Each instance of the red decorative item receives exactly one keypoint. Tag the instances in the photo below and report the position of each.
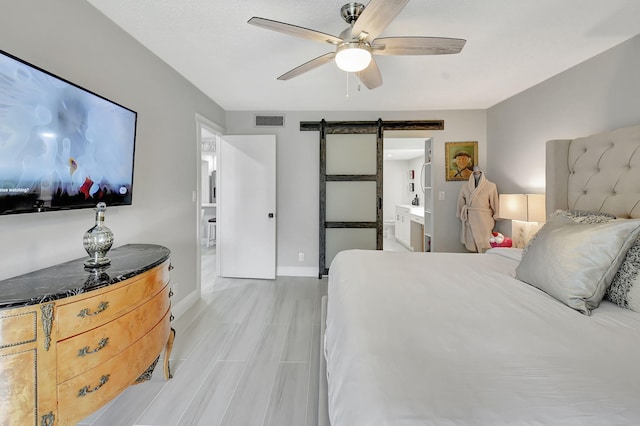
(499, 240)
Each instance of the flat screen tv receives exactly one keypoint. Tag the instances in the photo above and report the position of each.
(61, 146)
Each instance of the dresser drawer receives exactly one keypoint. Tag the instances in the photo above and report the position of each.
(87, 350)
(83, 312)
(83, 394)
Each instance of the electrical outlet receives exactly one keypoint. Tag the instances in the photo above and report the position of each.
(300, 257)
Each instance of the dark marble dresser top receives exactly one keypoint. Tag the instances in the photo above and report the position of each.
(71, 278)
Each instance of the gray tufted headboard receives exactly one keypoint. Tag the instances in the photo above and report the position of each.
(596, 173)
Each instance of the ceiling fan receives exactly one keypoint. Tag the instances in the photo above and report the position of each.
(357, 43)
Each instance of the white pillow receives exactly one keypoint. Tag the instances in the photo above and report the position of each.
(575, 262)
(580, 216)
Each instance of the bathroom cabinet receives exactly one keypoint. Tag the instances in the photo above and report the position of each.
(409, 226)
(403, 226)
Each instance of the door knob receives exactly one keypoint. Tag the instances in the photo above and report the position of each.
(271, 215)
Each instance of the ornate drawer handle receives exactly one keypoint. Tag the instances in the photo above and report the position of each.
(101, 307)
(86, 351)
(87, 389)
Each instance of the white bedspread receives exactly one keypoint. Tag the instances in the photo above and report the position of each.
(454, 339)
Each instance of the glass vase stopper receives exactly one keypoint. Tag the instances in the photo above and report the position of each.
(98, 240)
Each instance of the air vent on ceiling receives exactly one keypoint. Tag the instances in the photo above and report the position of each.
(269, 120)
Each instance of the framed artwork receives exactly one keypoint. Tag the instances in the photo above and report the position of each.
(460, 158)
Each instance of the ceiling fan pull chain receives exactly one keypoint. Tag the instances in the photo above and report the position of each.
(347, 85)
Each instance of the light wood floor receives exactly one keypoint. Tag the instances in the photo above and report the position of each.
(247, 354)
(390, 244)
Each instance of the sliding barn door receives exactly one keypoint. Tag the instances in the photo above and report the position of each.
(351, 182)
(350, 190)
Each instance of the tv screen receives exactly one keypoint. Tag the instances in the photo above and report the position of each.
(61, 146)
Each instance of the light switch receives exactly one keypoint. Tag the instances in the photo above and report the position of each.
(441, 195)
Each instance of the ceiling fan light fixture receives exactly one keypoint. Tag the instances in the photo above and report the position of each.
(353, 47)
(353, 56)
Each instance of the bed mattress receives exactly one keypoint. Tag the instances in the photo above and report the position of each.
(455, 339)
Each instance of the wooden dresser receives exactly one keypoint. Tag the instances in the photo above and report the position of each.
(72, 339)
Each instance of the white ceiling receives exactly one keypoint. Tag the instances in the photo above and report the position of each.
(511, 46)
(401, 149)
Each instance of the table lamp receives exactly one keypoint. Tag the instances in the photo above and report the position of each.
(527, 214)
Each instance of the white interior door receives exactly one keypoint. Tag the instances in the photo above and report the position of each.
(247, 206)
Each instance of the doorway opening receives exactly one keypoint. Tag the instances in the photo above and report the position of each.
(208, 135)
(405, 153)
(403, 158)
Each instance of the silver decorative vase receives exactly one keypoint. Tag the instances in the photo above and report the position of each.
(98, 240)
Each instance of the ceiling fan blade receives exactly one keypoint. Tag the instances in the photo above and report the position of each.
(294, 30)
(377, 15)
(308, 66)
(371, 76)
(416, 46)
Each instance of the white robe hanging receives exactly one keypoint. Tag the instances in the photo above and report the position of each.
(477, 209)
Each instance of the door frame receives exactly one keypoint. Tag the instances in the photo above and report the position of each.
(356, 127)
(201, 123)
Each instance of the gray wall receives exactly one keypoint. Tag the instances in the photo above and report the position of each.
(73, 40)
(394, 187)
(396, 184)
(297, 176)
(601, 94)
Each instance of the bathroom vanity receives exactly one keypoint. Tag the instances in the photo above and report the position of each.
(72, 339)
(409, 227)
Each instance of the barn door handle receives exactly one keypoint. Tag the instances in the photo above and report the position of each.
(422, 182)
(379, 203)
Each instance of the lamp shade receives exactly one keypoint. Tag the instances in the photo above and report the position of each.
(353, 57)
(523, 207)
(513, 206)
(536, 210)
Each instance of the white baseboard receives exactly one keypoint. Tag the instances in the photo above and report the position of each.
(185, 304)
(297, 271)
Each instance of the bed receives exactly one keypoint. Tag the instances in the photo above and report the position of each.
(505, 337)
